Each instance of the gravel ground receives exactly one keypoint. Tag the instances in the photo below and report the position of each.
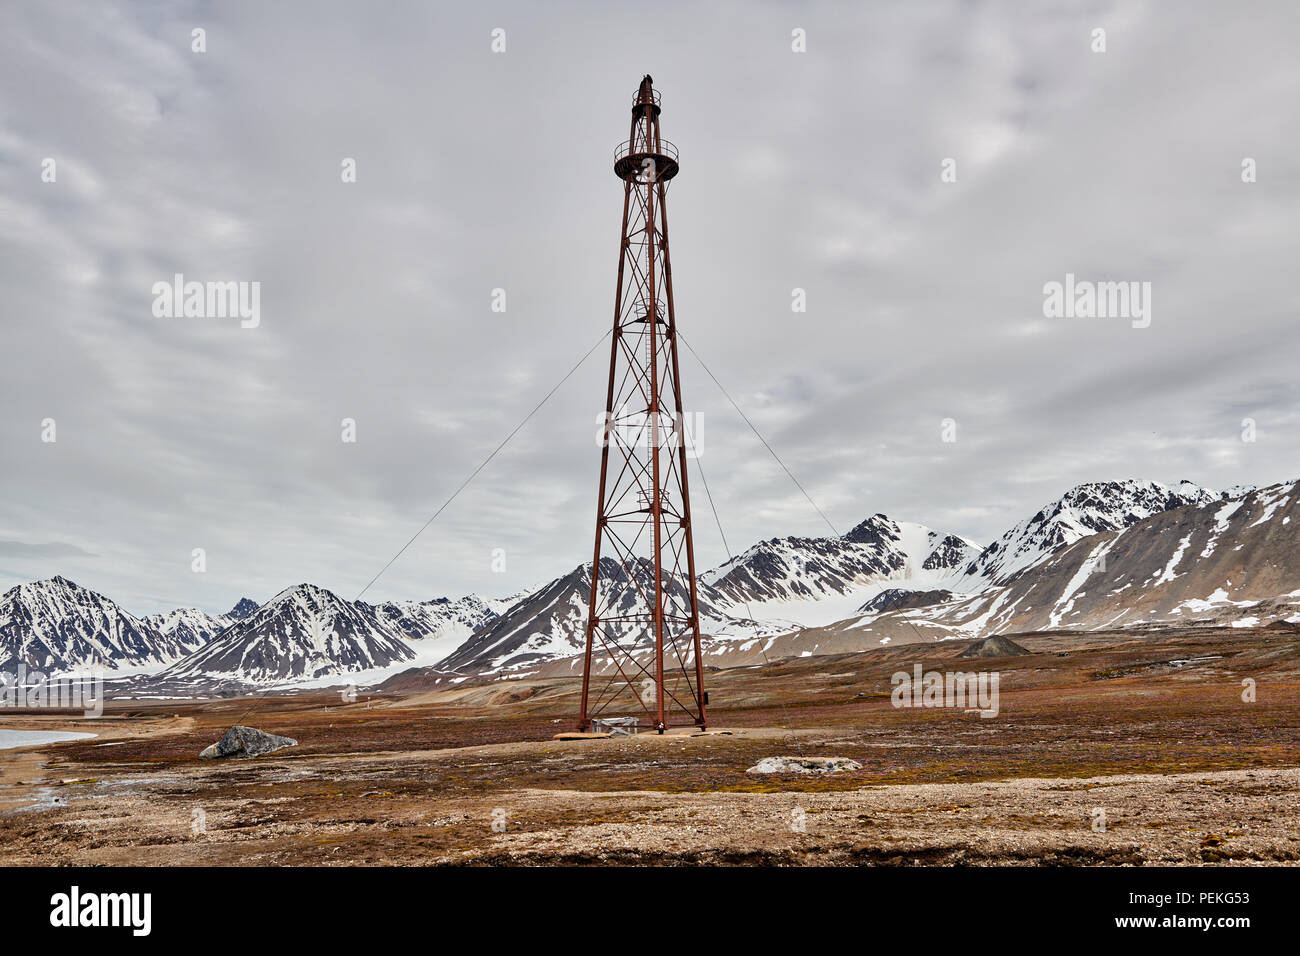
(362, 810)
(1229, 816)
(1105, 751)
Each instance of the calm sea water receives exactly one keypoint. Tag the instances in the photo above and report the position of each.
(28, 738)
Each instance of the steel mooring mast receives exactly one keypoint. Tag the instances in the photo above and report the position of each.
(643, 623)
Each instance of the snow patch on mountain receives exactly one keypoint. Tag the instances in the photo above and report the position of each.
(1273, 499)
(1168, 574)
(1065, 603)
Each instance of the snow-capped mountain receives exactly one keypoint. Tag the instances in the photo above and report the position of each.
(441, 625)
(546, 624)
(891, 581)
(1219, 561)
(188, 625)
(243, 607)
(310, 633)
(1084, 510)
(811, 581)
(303, 633)
(56, 624)
(1125, 553)
(774, 587)
(551, 622)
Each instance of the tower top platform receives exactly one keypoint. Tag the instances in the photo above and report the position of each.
(646, 157)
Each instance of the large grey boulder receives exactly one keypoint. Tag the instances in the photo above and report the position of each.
(243, 741)
(804, 765)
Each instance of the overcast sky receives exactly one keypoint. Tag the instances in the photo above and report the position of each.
(479, 170)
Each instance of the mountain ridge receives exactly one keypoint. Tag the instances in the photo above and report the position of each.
(880, 571)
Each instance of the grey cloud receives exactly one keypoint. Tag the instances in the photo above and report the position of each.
(46, 549)
(478, 171)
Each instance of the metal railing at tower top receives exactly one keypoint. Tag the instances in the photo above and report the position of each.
(638, 99)
(630, 148)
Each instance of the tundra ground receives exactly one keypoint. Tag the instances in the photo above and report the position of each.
(1107, 749)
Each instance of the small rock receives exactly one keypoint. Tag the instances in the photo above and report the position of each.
(243, 741)
(804, 765)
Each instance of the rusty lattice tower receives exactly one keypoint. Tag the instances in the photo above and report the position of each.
(643, 623)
